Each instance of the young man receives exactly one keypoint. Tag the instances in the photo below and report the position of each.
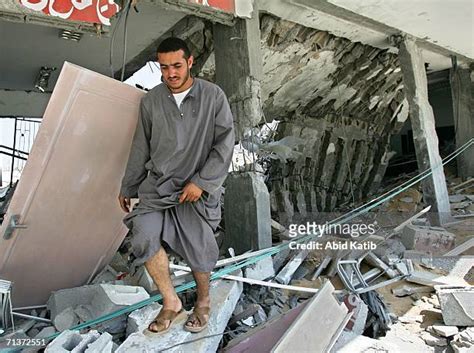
(179, 159)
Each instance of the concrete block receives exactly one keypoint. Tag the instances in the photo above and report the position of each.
(286, 273)
(72, 341)
(65, 319)
(69, 298)
(142, 317)
(110, 297)
(46, 332)
(407, 319)
(445, 331)
(224, 296)
(432, 340)
(457, 305)
(464, 341)
(247, 216)
(261, 270)
(436, 241)
(103, 344)
(84, 312)
(88, 302)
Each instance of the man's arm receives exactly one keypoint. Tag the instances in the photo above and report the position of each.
(213, 173)
(136, 172)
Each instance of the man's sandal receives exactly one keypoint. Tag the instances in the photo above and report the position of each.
(201, 315)
(165, 317)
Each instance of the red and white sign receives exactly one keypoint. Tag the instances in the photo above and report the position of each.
(95, 11)
(225, 5)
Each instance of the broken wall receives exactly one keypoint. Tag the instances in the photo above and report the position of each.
(344, 99)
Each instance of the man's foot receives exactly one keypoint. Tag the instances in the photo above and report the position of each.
(199, 318)
(167, 315)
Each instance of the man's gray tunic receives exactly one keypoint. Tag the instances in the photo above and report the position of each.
(171, 147)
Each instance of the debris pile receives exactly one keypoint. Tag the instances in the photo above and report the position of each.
(406, 286)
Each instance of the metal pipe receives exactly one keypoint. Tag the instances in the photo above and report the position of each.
(30, 307)
(13, 152)
(31, 317)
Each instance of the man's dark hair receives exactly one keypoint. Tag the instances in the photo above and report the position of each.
(174, 44)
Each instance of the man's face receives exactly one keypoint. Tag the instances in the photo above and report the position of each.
(175, 69)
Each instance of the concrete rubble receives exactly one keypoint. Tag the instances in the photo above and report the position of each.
(464, 341)
(90, 342)
(404, 295)
(457, 305)
(434, 240)
(69, 307)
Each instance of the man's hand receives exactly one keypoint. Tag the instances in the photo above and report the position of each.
(191, 193)
(124, 203)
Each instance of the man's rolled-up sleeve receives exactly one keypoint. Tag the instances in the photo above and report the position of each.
(213, 173)
(136, 171)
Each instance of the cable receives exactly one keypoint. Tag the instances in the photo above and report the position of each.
(125, 32)
(112, 41)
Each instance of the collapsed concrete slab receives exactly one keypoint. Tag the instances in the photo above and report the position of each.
(224, 296)
(432, 240)
(457, 305)
(324, 310)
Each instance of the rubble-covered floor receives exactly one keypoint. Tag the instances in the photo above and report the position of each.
(428, 307)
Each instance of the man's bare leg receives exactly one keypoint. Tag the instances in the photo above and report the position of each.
(202, 289)
(158, 268)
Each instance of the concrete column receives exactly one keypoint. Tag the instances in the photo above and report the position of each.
(239, 69)
(462, 89)
(435, 192)
(247, 213)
